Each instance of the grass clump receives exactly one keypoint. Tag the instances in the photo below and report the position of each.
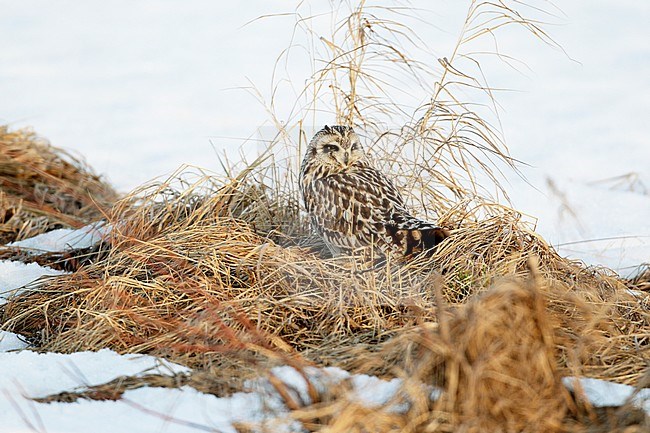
(44, 188)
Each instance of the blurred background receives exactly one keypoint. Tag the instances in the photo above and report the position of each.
(140, 88)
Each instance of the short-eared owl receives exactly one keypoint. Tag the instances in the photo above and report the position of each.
(352, 204)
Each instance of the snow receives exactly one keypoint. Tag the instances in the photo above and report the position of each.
(373, 391)
(10, 341)
(40, 374)
(369, 390)
(63, 239)
(14, 276)
(603, 393)
(28, 374)
(596, 223)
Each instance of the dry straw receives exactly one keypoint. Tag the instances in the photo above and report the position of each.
(44, 188)
(223, 274)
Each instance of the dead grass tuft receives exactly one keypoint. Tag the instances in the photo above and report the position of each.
(190, 273)
(114, 389)
(493, 366)
(500, 369)
(44, 187)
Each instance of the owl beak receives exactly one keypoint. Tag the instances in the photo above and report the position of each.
(346, 158)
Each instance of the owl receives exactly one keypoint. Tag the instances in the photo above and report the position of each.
(353, 205)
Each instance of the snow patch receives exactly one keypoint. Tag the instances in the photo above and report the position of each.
(10, 341)
(16, 275)
(603, 393)
(28, 374)
(367, 390)
(63, 239)
(40, 374)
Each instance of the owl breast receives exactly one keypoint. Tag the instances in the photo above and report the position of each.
(350, 209)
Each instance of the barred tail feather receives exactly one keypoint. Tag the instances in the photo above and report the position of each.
(413, 241)
(432, 237)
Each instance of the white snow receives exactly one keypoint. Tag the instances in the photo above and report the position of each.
(369, 390)
(603, 393)
(28, 374)
(593, 222)
(63, 239)
(14, 276)
(10, 341)
(40, 374)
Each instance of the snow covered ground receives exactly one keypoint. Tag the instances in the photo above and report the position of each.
(142, 88)
(28, 374)
(14, 276)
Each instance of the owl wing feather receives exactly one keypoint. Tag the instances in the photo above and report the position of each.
(361, 207)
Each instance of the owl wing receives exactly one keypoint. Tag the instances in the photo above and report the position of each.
(363, 207)
(351, 209)
(396, 229)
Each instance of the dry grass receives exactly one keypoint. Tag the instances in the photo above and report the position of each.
(495, 361)
(44, 188)
(190, 277)
(225, 276)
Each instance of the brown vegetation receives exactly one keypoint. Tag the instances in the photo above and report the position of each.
(204, 277)
(43, 188)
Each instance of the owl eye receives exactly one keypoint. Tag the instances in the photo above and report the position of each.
(355, 146)
(330, 148)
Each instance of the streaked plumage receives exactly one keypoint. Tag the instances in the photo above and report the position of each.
(354, 205)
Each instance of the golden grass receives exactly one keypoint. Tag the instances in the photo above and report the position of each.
(43, 188)
(191, 273)
(495, 362)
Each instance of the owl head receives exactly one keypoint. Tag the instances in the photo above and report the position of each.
(337, 147)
